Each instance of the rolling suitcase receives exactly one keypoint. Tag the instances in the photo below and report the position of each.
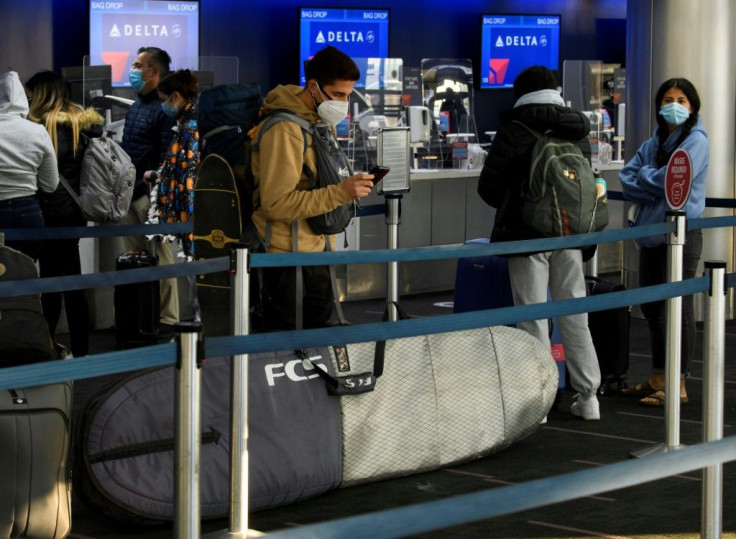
(481, 282)
(34, 450)
(610, 332)
(137, 305)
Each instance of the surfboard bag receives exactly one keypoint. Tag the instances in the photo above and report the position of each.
(124, 464)
(442, 399)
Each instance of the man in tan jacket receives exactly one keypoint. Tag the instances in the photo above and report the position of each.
(282, 193)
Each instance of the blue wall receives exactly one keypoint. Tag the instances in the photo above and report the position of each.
(264, 34)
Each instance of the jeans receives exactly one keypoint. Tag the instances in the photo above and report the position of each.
(652, 271)
(562, 273)
(22, 212)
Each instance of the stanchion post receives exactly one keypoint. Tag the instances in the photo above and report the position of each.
(393, 218)
(188, 432)
(673, 361)
(675, 252)
(240, 307)
(714, 342)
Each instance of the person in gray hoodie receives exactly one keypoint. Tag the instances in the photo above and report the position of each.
(27, 164)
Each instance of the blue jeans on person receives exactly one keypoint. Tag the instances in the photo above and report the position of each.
(22, 212)
(653, 271)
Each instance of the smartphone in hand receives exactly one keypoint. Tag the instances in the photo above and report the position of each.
(378, 174)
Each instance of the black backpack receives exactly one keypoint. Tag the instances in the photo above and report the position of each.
(226, 114)
(24, 333)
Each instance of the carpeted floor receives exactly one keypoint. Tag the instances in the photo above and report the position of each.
(665, 508)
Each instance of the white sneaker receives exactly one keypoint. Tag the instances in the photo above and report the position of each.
(586, 407)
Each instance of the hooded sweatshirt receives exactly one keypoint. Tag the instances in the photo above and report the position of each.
(27, 159)
(282, 192)
(642, 181)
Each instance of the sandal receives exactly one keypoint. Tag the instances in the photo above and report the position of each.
(640, 390)
(657, 399)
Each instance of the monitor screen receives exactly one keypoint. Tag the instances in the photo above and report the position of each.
(511, 43)
(358, 32)
(88, 82)
(118, 29)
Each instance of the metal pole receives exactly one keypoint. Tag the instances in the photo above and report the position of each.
(714, 346)
(240, 302)
(188, 432)
(675, 251)
(590, 268)
(393, 217)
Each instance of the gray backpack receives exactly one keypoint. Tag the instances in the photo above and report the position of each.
(106, 181)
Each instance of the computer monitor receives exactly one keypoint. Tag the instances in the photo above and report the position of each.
(118, 29)
(88, 82)
(358, 32)
(511, 43)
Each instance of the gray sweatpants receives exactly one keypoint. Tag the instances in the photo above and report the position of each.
(562, 273)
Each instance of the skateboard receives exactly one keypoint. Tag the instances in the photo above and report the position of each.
(216, 224)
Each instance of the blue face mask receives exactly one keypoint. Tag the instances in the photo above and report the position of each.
(135, 76)
(674, 114)
(169, 110)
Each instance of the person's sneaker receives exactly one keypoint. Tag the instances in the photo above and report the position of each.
(586, 407)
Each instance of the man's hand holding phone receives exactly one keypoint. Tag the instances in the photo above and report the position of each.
(378, 173)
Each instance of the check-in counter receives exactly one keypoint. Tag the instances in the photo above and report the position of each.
(442, 207)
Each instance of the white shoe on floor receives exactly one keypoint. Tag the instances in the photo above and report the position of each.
(586, 407)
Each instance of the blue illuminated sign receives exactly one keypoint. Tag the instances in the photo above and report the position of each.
(118, 29)
(511, 43)
(358, 32)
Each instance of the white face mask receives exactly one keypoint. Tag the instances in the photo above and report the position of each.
(331, 111)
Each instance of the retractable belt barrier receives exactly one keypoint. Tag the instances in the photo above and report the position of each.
(413, 519)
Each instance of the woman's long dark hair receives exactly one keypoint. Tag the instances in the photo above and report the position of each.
(663, 132)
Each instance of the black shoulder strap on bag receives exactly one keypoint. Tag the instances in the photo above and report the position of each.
(354, 384)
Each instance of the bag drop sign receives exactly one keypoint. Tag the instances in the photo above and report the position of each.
(679, 179)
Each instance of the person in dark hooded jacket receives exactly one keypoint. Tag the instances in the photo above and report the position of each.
(540, 107)
(70, 126)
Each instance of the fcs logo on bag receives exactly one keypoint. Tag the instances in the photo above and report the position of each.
(570, 174)
(296, 370)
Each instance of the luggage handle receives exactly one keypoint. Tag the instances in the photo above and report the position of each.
(363, 382)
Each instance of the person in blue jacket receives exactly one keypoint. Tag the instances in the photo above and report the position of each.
(642, 181)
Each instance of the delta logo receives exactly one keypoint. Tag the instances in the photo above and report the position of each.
(497, 71)
(345, 36)
(145, 30)
(521, 41)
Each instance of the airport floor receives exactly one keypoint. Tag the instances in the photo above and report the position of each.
(665, 508)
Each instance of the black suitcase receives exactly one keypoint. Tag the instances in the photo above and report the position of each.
(137, 305)
(610, 332)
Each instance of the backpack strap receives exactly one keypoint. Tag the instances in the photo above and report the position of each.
(272, 119)
(70, 190)
(534, 133)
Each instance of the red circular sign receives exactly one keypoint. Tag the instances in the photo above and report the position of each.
(679, 179)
